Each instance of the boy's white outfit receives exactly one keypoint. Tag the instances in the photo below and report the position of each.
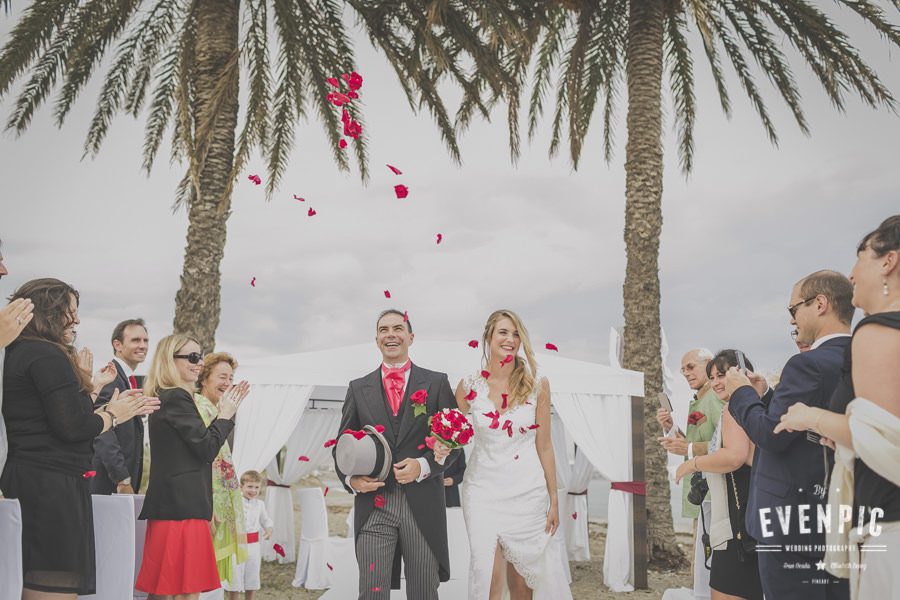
(246, 575)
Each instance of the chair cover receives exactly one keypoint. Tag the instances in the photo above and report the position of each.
(114, 546)
(320, 558)
(11, 557)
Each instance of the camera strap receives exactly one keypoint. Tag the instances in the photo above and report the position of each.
(704, 539)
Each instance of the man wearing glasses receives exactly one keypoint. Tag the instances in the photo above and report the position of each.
(789, 469)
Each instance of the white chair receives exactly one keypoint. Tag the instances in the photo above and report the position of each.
(11, 557)
(140, 533)
(317, 550)
(114, 547)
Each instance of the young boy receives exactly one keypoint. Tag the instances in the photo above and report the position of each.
(246, 575)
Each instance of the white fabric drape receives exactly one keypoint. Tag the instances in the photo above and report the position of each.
(315, 427)
(114, 546)
(601, 428)
(577, 539)
(267, 417)
(11, 557)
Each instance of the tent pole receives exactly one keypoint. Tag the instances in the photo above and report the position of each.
(639, 502)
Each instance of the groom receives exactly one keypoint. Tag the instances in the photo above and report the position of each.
(405, 514)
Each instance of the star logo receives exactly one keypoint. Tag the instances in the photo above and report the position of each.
(820, 565)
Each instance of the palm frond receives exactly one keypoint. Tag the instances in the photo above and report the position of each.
(681, 78)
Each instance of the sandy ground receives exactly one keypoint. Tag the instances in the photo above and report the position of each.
(587, 577)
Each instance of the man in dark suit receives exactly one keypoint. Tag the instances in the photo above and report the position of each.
(788, 478)
(119, 452)
(405, 514)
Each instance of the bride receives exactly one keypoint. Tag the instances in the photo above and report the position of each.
(509, 497)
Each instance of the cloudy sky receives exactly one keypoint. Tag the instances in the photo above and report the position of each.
(536, 237)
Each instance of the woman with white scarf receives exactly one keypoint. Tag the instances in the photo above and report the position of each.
(864, 426)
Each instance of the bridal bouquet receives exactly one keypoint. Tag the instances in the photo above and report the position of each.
(451, 427)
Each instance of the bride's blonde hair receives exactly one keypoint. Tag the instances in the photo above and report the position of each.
(522, 380)
(162, 373)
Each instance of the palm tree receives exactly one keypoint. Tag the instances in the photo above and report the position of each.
(180, 62)
(595, 47)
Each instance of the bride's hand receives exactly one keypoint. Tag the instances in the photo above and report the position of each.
(441, 451)
(552, 519)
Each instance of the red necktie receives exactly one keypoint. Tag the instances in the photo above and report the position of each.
(132, 381)
(394, 382)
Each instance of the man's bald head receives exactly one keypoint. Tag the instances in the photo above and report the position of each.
(693, 367)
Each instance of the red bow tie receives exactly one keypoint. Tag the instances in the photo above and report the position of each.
(394, 382)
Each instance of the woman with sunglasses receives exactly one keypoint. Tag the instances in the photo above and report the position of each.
(179, 559)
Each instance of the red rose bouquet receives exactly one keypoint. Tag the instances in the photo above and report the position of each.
(451, 427)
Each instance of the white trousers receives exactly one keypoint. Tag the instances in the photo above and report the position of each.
(245, 576)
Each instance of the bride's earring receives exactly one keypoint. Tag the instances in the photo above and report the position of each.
(884, 288)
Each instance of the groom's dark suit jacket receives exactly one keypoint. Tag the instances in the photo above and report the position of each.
(367, 404)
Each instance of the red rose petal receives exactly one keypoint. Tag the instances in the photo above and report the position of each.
(405, 317)
(303, 459)
(299, 199)
(429, 441)
(506, 360)
(330, 568)
(485, 374)
(255, 179)
(522, 430)
(253, 282)
(89, 474)
(439, 238)
(329, 443)
(516, 457)
(401, 190)
(503, 406)
(278, 550)
(371, 567)
(376, 589)
(379, 428)
(420, 446)
(342, 144)
(550, 346)
(387, 293)
(379, 501)
(395, 170)
(574, 515)
(471, 395)
(473, 343)
(310, 212)
(535, 426)
(325, 493)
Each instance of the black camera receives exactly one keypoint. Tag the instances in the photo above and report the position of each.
(699, 488)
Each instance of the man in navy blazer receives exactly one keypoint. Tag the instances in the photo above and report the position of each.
(789, 470)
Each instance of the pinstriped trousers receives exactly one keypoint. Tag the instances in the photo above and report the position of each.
(375, 545)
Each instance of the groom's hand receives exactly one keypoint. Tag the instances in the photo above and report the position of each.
(407, 470)
(363, 484)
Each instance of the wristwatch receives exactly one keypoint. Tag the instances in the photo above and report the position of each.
(115, 421)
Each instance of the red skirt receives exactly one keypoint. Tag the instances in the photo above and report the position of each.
(178, 558)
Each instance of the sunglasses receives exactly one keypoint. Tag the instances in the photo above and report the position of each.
(193, 357)
(793, 307)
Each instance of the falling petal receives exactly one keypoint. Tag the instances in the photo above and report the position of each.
(371, 567)
(439, 238)
(405, 317)
(574, 515)
(420, 446)
(429, 441)
(342, 144)
(303, 459)
(379, 501)
(330, 568)
(395, 170)
(473, 343)
(516, 457)
(311, 213)
(503, 406)
(330, 443)
(471, 395)
(255, 179)
(485, 374)
(379, 428)
(401, 190)
(387, 293)
(325, 493)
(278, 550)
(535, 426)
(553, 347)
(253, 282)
(506, 360)
(299, 199)
(376, 589)
(89, 474)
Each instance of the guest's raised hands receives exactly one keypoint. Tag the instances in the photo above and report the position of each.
(13, 319)
(131, 403)
(231, 400)
(106, 375)
(85, 360)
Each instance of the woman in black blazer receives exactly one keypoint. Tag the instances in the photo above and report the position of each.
(178, 551)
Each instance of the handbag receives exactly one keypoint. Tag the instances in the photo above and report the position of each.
(746, 545)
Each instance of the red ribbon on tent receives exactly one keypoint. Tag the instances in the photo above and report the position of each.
(273, 484)
(630, 487)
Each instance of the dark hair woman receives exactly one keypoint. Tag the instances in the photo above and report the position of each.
(51, 424)
(864, 421)
(734, 572)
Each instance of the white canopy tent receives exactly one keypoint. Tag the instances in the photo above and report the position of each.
(295, 402)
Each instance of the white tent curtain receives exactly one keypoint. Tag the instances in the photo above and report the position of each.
(576, 503)
(600, 426)
(315, 428)
(267, 417)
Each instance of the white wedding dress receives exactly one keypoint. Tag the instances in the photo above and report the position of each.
(505, 499)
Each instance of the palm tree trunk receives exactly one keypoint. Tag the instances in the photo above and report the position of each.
(643, 224)
(215, 96)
